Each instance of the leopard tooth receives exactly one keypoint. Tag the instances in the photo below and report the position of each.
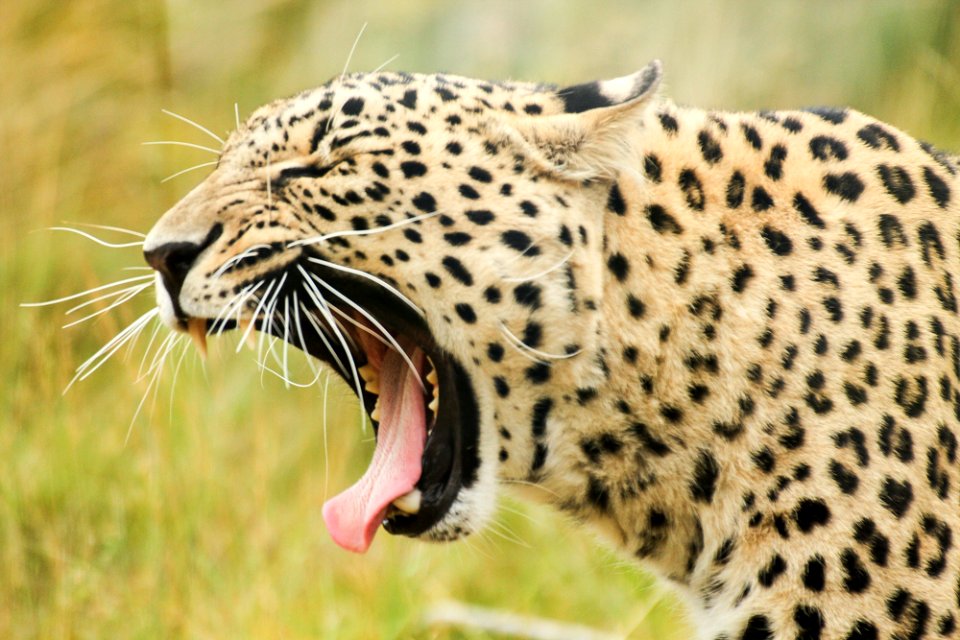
(371, 378)
(434, 405)
(197, 329)
(409, 502)
(375, 414)
(432, 376)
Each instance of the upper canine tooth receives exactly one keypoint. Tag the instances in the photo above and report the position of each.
(409, 502)
(197, 329)
(371, 377)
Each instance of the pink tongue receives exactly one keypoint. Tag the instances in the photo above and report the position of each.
(353, 516)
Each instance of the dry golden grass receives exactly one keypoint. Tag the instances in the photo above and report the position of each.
(205, 522)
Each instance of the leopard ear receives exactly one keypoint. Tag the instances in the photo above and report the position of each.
(616, 93)
(591, 138)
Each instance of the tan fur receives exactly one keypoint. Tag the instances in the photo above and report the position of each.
(729, 377)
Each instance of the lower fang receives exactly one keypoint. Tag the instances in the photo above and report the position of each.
(197, 328)
(409, 503)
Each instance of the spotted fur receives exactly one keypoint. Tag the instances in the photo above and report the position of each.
(735, 345)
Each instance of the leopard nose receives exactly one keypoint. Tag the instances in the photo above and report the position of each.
(173, 261)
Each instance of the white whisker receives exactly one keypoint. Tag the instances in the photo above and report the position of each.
(155, 370)
(356, 41)
(160, 355)
(303, 342)
(322, 333)
(386, 334)
(362, 327)
(321, 330)
(286, 339)
(269, 325)
(74, 296)
(269, 188)
(256, 314)
(113, 305)
(253, 250)
(105, 352)
(286, 379)
(106, 296)
(176, 376)
(346, 65)
(332, 323)
(520, 343)
(343, 329)
(236, 114)
(101, 242)
(532, 358)
(216, 325)
(539, 275)
(369, 276)
(389, 60)
(188, 170)
(518, 512)
(146, 352)
(106, 227)
(336, 326)
(271, 342)
(194, 124)
(533, 485)
(502, 530)
(237, 308)
(177, 143)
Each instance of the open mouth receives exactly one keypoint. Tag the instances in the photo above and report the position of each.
(419, 397)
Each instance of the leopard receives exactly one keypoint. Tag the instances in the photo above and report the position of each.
(727, 342)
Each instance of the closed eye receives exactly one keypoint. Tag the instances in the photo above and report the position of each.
(308, 171)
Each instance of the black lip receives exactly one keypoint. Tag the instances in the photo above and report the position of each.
(451, 458)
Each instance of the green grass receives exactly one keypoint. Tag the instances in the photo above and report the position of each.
(202, 518)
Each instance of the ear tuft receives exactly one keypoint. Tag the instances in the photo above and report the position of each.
(607, 93)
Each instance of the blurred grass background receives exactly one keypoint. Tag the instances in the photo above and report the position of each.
(206, 522)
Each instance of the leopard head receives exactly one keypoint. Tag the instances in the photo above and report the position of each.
(436, 241)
